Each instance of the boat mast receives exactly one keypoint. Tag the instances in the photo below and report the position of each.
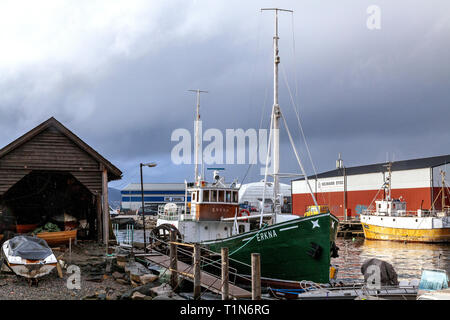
(443, 190)
(197, 134)
(389, 166)
(276, 114)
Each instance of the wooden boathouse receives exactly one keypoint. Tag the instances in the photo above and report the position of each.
(50, 171)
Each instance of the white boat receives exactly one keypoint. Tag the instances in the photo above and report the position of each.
(391, 221)
(29, 257)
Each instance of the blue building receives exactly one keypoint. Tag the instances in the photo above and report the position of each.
(154, 195)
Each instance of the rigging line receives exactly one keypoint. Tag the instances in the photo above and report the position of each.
(297, 105)
(368, 208)
(298, 158)
(257, 152)
(302, 132)
(265, 101)
(298, 119)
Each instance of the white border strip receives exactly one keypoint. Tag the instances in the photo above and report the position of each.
(293, 227)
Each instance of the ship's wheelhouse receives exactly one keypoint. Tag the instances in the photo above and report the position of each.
(214, 203)
(215, 195)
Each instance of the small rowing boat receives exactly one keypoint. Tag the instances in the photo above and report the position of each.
(29, 257)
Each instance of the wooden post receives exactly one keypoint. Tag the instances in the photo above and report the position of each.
(256, 276)
(70, 250)
(173, 260)
(197, 274)
(98, 202)
(225, 274)
(105, 207)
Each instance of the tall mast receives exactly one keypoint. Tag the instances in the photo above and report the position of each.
(276, 114)
(197, 133)
(443, 189)
(389, 167)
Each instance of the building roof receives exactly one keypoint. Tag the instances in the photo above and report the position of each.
(155, 186)
(411, 164)
(113, 172)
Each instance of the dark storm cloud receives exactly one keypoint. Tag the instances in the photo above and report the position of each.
(360, 92)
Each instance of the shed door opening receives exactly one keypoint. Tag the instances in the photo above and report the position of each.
(41, 196)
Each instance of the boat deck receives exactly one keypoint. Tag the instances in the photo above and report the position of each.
(208, 280)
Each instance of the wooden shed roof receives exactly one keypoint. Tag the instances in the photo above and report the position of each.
(113, 172)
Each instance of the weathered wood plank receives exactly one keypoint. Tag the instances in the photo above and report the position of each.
(208, 280)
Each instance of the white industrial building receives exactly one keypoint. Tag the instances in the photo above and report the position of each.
(349, 191)
(253, 192)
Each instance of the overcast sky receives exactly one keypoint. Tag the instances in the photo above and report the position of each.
(116, 73)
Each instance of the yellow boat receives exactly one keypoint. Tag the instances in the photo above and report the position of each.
(391, 221)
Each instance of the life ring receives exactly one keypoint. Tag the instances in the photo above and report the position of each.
(241, 214)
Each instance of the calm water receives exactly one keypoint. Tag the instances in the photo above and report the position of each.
(408, 259)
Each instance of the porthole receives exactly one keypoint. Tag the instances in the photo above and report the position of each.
(393, 219)
(225, 228)
(206, 227)
(417, 220)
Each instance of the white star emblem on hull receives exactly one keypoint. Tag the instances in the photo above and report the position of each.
(315, 224)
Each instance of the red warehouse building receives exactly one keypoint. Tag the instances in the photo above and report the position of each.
(351, 190)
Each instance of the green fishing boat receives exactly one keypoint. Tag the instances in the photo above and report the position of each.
(295, 250)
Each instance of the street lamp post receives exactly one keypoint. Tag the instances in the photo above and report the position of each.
(150, 165)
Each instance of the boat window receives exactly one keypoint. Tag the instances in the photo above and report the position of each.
(241, 228)
(235, 196)
(221, 196)
(214, 196)
(205, 195)
(228, 196)
(194, 196)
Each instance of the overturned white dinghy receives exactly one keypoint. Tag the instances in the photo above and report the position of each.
(29, 257)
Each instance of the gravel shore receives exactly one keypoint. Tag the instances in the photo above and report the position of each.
(88, 256)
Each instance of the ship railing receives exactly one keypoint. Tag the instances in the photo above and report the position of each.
(170, 215)
(410, 213)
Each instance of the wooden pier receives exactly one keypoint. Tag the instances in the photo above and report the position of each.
(207, 280)
(350, 229)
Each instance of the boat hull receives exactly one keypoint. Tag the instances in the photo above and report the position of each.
(59, 237)
(30, 269)
(24, 228)
(285, 249)
(409, 229)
